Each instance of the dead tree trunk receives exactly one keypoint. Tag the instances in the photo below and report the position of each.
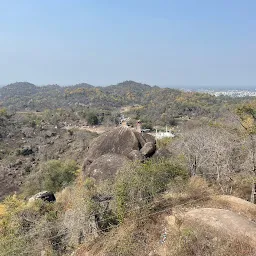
(193, 167)
(253, 194)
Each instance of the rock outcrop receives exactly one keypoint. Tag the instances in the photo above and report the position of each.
(106, 166)
(114, 149)
(238, 205)
(148, 149)
(26, 150)
(120, 140)
(44, 195)
(224, 222)
(162, 153)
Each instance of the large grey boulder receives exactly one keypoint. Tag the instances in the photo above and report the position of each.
(148, 149)
(139, 136)
(223, 222)
(148, 138)
(50, 133)
(136, 155)
(120, 140)
(114, 149)
(162, 153)
(106, 166)
(44, 195)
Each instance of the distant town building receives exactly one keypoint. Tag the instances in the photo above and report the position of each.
(231, 93)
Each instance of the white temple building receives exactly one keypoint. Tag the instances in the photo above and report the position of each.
(166, 134)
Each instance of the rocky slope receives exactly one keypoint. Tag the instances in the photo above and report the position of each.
(23, 148)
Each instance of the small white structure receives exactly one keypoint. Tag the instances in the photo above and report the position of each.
(138, 126)
(166, 134)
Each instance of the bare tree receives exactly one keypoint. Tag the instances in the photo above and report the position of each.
(247, 119)
(212, 152)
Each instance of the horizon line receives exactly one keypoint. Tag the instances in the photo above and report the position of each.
(162, 86)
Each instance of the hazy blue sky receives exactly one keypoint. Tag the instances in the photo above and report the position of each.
(167, 43)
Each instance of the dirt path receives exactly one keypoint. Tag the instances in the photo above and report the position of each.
(29, 113)
(129, 108)
(97, 129)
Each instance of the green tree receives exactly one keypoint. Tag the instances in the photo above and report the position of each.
(92, 118)
(3, 112)
(52, 176)
(139, 183)
(56, 174)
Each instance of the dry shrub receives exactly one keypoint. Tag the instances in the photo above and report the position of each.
(197, 187)
(77, 220)
(2, 209)
(25, 229)
(200, 241)
(133, 237)
(146, 238)
(234, 204)
(242, 185)
(137, 184)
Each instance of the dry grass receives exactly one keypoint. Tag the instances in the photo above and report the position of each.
(131, 238)
(197, 240)
(145, 236)
(198, 188)
(234, 204)
(2, 209)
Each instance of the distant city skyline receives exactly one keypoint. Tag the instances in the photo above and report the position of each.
(179, 43)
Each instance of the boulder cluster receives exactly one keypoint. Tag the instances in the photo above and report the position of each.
(114, 149)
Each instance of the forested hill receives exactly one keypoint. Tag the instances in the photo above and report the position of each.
(23, 95)
(153, 100)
